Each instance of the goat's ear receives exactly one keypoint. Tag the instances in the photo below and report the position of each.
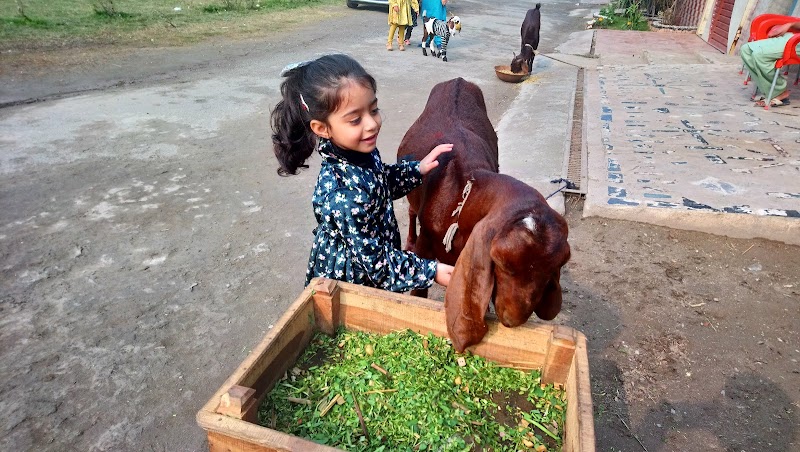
(550, 304)
(470, 289)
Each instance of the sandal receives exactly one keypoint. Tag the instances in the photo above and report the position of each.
(773, 103)
(389, 46)
(402, 47)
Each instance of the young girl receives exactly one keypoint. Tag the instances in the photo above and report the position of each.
(399, 17)
(329, 104)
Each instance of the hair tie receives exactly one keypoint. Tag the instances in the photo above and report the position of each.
(291, 66)
(303, 103)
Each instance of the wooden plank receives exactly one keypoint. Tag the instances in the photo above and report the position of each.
(241, 436)
(366, 309)
(239, 402)
(326, 304)
(579, 423)
(558, 359)
(269, 360)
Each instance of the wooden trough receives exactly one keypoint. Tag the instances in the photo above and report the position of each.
(229, 418)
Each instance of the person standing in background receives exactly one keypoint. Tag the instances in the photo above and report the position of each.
(414, 15)
(399, 18)
(437, 9)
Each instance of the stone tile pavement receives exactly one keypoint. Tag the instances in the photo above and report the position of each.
(674, 139)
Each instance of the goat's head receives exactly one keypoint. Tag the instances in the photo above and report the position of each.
(454, 23)
(515, 258)
(519, 64)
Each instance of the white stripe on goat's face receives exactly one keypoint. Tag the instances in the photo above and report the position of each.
(529, 223)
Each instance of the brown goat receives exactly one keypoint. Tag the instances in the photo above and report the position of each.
(509, 244)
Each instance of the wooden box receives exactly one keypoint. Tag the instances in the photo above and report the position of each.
(229, 418)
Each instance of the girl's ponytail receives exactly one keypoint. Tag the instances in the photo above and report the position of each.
(292, 139)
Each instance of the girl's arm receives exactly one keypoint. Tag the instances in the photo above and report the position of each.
(369, 250)
(406, 176)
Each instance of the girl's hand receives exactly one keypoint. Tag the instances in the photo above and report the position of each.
(443, 273)
(396, 9)
(430, 162)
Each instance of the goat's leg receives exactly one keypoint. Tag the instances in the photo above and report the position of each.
(411, 241)
(424, 249)
(445, 40)
(426, 38)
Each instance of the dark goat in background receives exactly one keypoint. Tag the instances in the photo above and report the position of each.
(507, 244)
(530, 40)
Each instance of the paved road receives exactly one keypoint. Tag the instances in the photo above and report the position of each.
(147, 242)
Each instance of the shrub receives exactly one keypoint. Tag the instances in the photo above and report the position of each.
(622, 15)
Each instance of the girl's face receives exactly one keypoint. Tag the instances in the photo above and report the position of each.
(356, 123)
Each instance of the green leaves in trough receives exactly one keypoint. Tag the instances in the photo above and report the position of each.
(412, 394)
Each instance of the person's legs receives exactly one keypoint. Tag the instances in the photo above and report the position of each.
(401, 32)
(411, 26)
(760, 57)
(392, 29)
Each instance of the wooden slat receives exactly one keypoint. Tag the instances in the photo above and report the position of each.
(366, 309)
(269, 360)
(579, 423)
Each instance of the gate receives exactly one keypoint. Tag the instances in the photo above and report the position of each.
(720, 24)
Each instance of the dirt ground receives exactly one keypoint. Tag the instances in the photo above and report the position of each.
(694, 339)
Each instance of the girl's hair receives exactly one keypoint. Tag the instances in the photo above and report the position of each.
(311, 90)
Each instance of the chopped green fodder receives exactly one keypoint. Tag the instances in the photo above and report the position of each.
(404, 391)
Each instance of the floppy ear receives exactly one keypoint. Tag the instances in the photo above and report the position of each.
(550, 304)
(470, 289)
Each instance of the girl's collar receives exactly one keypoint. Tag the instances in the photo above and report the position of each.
(328, 149)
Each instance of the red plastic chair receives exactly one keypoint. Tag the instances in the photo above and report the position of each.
(789, 57)
(754, 27)
(759, 28)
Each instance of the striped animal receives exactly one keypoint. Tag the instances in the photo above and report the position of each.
(435, 27)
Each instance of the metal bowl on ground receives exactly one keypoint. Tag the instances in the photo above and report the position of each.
(505, 74)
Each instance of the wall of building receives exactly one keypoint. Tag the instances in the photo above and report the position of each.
(743, 12)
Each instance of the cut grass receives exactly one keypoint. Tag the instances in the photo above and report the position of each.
(49, 24)
(411, 393)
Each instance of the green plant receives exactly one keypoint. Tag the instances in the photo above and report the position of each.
(405, 391)
(31, 25)
(104, 7)
(633, 14)
(622, 15)
(233, 5)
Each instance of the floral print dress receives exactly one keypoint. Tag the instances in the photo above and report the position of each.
(357, 237)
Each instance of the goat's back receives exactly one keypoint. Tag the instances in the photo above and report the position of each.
(455, 113)
(530, 28)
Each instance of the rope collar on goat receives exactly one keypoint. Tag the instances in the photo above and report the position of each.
(451, 231)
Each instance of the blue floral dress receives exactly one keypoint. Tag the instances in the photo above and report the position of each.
(357, 238)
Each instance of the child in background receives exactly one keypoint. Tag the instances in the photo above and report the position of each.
(399, 17)
(414, 14)
(437, 9)
(329, 105)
